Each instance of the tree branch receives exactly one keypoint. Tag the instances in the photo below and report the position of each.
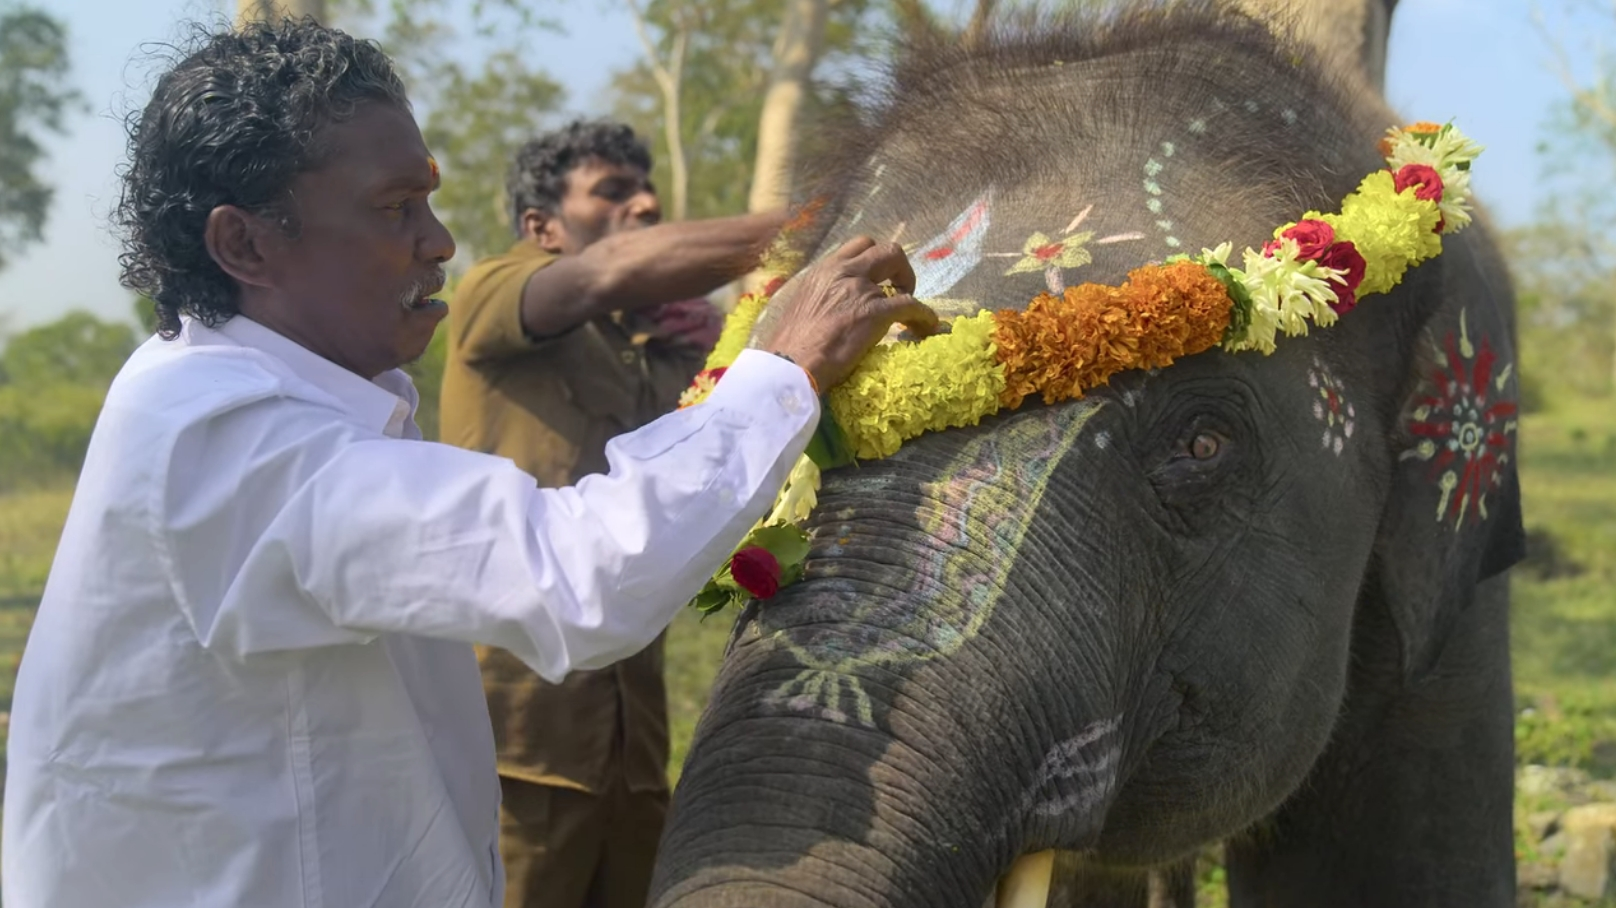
(652, 58)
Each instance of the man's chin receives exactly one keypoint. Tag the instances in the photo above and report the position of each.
(422, 322)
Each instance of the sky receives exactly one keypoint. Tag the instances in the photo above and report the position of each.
(1477, 62)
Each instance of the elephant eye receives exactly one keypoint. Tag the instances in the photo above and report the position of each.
(1205, 446)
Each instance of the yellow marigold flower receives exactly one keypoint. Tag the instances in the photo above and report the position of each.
(737, 330)
(1392, 230)
(902, 390)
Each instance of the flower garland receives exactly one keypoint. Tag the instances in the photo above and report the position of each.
(1315, 270)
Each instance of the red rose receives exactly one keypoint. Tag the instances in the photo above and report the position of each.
(1344, 256)
(1313, 239)
(1425, 179)
(757, 571)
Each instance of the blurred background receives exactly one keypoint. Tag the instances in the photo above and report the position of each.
(1535, 82)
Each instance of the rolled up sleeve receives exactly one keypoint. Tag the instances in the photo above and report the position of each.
(412, 537)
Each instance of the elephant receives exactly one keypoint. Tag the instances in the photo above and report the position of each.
(1243, 599)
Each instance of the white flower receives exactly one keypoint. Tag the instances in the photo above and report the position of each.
(797, 499)
(1218, 256)
(1449, 154)
(1285, 295)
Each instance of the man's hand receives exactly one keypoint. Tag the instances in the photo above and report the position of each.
(834, 311)
(693, 323)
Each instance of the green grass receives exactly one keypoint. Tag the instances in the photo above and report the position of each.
(30, 524)
(695, 648)
(1563, 623)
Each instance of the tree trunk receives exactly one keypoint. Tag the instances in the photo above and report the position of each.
(1348, 31)
(255, 10)
(670, 79)
(673, 125)
(981, 20)
(802, 35)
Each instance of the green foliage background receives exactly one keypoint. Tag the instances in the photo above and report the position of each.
(36, 96)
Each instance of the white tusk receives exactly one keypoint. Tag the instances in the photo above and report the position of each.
(1027, 883)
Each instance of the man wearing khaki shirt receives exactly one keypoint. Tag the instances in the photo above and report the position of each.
(585, 329)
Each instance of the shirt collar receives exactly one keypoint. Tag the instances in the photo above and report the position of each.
(385, 404)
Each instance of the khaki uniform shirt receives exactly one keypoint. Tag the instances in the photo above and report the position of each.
(551, 405)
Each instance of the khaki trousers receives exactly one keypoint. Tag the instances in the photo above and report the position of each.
(567, 849)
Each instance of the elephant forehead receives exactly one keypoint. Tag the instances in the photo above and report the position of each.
(1004, 181)
(976, 514)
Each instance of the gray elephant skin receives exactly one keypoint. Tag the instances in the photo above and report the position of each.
(1250, 599)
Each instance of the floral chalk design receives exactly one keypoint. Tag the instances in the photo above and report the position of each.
(986, 501)
(1465, 426)
(1055, 255)
(1331, 407)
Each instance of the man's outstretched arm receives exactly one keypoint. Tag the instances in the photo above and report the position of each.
(638, 268)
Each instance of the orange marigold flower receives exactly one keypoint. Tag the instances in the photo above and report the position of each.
(1061, 347)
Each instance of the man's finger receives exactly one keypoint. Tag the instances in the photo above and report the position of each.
(852, 249)
(886, 262)
(911, 313)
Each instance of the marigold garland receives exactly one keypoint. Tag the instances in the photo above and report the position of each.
(1060, 347)
(1315, 270)
(900, 391)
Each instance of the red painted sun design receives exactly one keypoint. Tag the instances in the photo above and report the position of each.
(1465, 427)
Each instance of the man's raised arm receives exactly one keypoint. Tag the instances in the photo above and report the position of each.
(637, 268)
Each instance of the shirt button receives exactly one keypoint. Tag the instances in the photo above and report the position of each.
(726, 496)
(628, 357)
(792, 403)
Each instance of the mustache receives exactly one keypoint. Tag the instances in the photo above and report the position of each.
(423, 286)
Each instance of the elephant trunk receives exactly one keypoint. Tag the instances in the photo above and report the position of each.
(866, 790)
(785, 829)
(914, 716)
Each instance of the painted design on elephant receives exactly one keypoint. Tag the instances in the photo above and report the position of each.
(1331, 407)
(1054, 257)
(948, 257)
(1465, 425)
(978, 517)
(1158, 162)
(869, 195)
(1076, 775)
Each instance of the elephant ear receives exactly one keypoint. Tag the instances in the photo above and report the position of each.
(1453, 518)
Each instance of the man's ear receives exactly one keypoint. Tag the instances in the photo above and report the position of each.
(544, 229)
(241, 244)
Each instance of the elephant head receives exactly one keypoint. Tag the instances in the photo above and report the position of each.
(1243, 596)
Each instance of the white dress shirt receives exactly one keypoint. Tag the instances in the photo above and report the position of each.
(251, 680)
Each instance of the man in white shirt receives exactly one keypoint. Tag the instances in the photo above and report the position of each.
(251, 680)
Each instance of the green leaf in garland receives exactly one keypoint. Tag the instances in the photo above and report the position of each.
(1240, 312)
(829, 447)
(712, 599)
(786, 542)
